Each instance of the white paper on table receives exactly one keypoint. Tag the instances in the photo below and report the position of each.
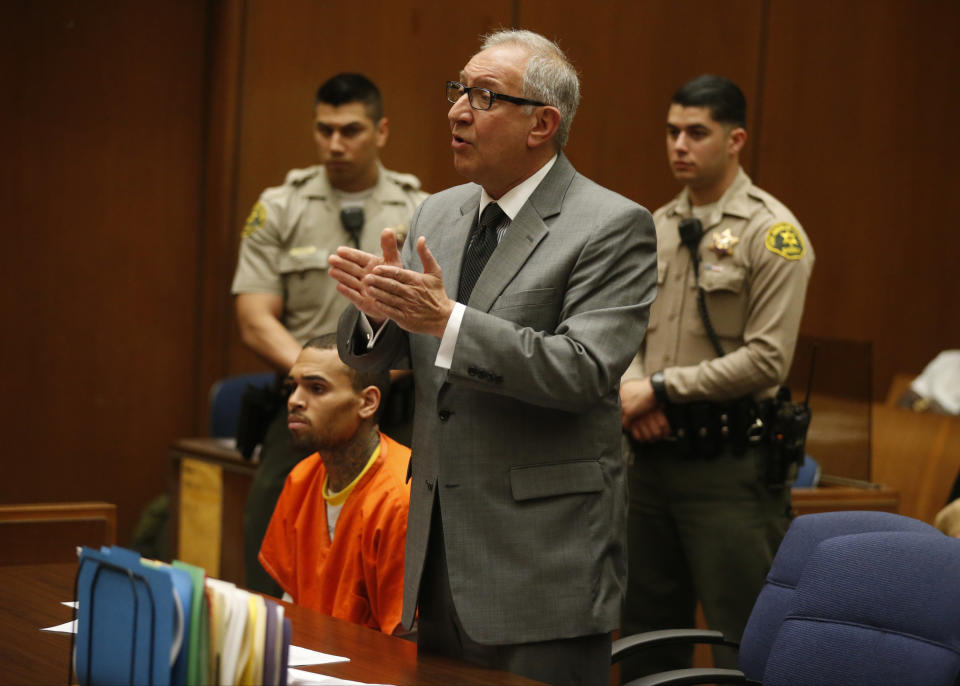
(299, 657)
(70, 603)
(236, 641)
(300, 677)
(67, 628)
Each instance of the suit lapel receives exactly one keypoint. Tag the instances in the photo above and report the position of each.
(522, 236)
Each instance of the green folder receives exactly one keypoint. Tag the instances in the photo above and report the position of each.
(198, 657)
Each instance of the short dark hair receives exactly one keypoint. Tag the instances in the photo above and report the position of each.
(343, 89)
(719, 94)
(358, 379)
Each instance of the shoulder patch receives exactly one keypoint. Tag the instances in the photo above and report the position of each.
(784, 240)
(256, 220)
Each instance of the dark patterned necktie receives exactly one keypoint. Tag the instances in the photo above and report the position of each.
(483, 242)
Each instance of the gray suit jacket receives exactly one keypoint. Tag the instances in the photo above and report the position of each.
(521, 438)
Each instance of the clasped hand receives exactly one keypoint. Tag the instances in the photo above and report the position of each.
(382, 289)
(640, 413)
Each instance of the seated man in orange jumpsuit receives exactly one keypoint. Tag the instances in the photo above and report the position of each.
(335, 541)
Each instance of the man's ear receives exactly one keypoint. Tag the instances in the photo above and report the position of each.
(383, 131)
(544, 127)
(737, 139)
(369, 402)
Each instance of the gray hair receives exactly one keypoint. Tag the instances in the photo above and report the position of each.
(549, 76)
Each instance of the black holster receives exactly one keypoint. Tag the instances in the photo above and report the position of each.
(785, 436)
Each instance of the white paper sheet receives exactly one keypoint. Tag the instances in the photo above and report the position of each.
(299, 657)
(68, 628)
(300, 677)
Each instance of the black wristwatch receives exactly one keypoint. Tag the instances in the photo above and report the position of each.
(659, 384)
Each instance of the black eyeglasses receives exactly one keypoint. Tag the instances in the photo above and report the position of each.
(482, 98)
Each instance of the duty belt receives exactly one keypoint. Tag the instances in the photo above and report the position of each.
(704, 430)
(777, 426)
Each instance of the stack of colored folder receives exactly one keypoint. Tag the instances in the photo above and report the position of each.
(141, 621)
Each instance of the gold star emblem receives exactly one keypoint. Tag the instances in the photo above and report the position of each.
(723, 242)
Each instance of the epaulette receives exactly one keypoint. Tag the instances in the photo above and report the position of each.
(298, 177)
(766, 199)
(407, 182)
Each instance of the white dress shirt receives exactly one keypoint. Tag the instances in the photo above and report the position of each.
(510, 202)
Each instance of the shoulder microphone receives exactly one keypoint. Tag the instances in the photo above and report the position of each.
(691, 231)
(352, 219)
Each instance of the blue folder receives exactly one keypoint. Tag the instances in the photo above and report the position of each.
(135, 618)
(125, 620)
(183, 586)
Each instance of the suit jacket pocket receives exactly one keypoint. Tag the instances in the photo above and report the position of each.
(559, 478)
(536, 308)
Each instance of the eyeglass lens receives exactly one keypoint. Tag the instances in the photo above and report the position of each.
(480, 98)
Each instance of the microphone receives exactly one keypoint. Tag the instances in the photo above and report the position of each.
(352, 220)
(691, 231)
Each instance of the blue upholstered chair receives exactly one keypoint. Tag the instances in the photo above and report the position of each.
(805, 533)
(225, 397)
(873, 609)
(808, 475)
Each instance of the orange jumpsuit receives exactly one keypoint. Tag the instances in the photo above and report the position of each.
(359, 576)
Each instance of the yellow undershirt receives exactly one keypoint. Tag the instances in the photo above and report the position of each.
(340, 497)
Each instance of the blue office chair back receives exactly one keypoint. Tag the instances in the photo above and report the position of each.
(808, 475)
(803, 536)
(873, 609)
(225, 396)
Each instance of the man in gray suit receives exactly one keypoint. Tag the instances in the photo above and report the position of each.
(519, 301)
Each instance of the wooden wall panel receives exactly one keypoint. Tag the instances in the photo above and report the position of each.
(138, 136)
(102, 120)
(632, 56)
(224, 47)
(798, 63)
(409, 49)
(858, 112)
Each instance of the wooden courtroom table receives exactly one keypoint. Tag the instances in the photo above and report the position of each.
(30, 597)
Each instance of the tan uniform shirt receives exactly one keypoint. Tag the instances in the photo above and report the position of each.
(292, 230)
(755, 262)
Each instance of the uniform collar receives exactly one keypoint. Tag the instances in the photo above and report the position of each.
(733, 202)
(385, 191)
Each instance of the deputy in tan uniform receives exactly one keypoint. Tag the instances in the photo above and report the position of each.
(709, 500)
(283, 294)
